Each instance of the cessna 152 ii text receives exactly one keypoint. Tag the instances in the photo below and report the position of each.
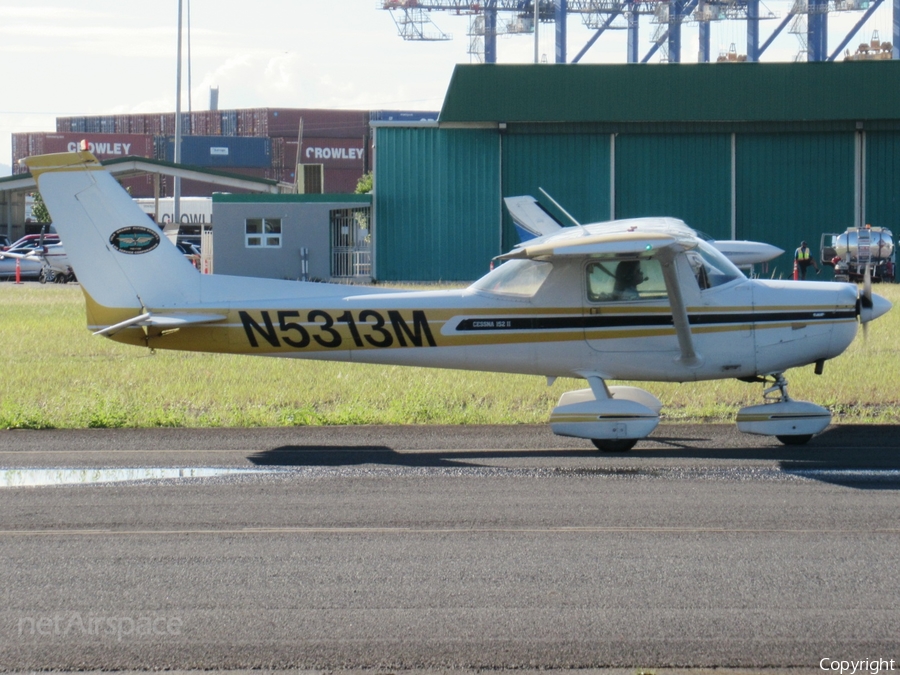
(643, 299)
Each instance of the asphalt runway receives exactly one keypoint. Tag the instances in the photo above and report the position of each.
(442, 548)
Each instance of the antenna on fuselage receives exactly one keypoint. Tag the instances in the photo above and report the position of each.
(563, 211)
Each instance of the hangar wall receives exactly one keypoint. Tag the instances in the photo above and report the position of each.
(882, 178)
(437, 193)
(687, 176)
(573, 169)
(438, 220)
(792, 187)
(768, 152)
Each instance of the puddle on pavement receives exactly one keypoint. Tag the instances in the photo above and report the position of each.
(40, 477)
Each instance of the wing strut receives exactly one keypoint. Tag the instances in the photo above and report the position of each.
(689, 356)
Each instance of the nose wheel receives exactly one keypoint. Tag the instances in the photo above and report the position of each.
(791, 422)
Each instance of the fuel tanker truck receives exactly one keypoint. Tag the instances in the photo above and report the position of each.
(850, 252)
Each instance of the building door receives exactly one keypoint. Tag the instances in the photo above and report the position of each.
(351, 242)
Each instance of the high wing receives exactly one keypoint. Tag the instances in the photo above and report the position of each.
(533, 221)
(599, 245)
(746, 253)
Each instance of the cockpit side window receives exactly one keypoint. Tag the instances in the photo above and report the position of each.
(623, 280)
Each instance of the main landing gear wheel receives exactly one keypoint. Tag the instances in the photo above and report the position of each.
(614, 444)
(799, 439)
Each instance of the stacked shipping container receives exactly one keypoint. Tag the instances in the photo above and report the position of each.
(258, 142)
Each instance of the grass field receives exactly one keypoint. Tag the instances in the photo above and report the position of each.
(57, 375)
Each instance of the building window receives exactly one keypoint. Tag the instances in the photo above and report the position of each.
(262, 233)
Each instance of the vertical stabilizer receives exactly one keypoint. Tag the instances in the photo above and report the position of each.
(120, 256)
(530, 218)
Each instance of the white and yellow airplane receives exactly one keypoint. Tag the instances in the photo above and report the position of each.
(642, 299)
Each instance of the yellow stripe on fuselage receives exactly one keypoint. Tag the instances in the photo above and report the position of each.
(281, 331)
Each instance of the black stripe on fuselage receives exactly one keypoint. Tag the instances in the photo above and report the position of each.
(589, 321)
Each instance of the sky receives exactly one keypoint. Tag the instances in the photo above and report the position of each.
(103, 57)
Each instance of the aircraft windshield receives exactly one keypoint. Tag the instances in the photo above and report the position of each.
(710, 267)
(515, 277)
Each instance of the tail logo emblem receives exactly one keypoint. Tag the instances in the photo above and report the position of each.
(134, 240)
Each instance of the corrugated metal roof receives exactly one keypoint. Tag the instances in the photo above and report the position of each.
(703, 92)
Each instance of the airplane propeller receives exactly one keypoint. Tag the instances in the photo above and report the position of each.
(865, 301)
(868, 305)
(866, 298)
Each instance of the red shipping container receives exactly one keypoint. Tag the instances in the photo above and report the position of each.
(285, 122)
(341, 181)
(104, 146)
(142, 186)
(336, 153)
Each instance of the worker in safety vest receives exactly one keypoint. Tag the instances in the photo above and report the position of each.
(803, 259)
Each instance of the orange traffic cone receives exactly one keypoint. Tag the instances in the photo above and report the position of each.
(18, 271)
(796, 272)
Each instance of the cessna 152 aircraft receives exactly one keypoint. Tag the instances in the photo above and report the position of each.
(641, 299)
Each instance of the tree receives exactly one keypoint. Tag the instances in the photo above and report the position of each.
(364, 184)
(39, 210)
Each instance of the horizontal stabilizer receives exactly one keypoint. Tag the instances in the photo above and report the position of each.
(167, 322)
(21, 256)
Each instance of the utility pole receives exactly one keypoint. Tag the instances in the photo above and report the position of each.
(177, 191)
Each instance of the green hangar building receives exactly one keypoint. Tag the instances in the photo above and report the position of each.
(772, 152)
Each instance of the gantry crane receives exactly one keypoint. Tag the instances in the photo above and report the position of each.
(809, 19)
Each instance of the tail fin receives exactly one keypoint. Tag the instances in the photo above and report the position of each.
(530, 218)
(119, 255)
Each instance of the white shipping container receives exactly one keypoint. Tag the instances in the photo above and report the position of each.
(194, 210)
